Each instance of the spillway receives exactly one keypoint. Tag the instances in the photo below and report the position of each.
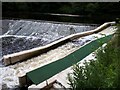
(19, 35)
(23, 34)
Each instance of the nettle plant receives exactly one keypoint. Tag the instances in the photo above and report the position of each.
(103, 72)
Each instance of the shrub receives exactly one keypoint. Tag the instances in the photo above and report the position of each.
(103, 72)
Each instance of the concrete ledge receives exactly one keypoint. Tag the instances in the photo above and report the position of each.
(24, 55)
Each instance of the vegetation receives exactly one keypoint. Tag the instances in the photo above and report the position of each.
(103, 72)
(95, 10)
(60, 7)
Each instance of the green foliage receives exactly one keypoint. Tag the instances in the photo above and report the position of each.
(94, 12)
(104, 72)
(64, 7)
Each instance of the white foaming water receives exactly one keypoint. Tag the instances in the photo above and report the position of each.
(8, 77)
(9, 74)
(46, 31)
(1, 83)
(23, 35)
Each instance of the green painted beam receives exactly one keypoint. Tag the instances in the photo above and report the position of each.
(43, 73)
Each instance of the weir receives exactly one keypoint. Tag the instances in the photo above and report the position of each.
(23, 55)
(16, 74)
(43, 73)
(22, 35)
(64, 49)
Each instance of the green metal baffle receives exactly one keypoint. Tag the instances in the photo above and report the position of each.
(43, 73)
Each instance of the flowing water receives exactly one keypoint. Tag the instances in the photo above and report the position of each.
(19, 35)
(9, 75)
